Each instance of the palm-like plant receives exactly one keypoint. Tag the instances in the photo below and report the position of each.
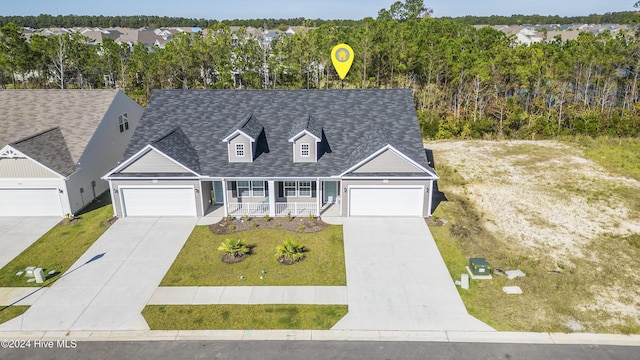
(290, 252)
(233, 250)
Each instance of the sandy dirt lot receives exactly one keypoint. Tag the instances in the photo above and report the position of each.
(547, 200)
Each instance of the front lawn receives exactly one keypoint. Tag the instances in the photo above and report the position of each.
(199, 262)
(243, 317)
(60, 247)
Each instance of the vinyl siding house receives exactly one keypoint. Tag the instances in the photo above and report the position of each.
(275, 152)
(56, 144)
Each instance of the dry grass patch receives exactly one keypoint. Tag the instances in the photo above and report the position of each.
(568, 223)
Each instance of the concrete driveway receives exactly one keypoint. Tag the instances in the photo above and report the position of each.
(397, 280)
(18, 233)
(110, 292)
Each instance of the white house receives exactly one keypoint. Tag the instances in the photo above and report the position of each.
(56, 144)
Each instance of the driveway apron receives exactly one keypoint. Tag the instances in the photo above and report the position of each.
(18, 233)
(109, 292)
(397, 279)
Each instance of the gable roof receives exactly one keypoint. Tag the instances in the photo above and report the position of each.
(348, 118)
(248, 126)
(177, 146)
(48, 148)
(308, 124)
(77, 113)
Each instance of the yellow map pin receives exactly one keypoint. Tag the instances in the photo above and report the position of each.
(342, 58)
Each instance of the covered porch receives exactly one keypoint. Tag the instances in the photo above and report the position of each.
(286, 197)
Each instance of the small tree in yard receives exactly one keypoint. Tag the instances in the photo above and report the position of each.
(233, 251)
(290, 252)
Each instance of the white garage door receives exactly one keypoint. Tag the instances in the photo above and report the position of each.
(386, 201)
(30, 202)
(158, 201)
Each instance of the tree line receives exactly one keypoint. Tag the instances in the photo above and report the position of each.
(467, 82)
(139, 21)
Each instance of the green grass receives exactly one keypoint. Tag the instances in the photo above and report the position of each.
(8, 313)
(59, 248)
(549, 300)
(200, 264)
(243, 317)
(618, 155)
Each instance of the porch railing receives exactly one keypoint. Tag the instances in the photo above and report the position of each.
(242, 209)
(295, 209)
(282, 209)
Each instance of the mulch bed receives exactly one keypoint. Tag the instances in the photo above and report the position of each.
(436, 222)
(297, 224)
(69, 220)
(109, 222)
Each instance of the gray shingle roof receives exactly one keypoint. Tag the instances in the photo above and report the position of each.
(308, 123)
(50, 149)
(176, 145)
(348, 118)
(24, 113)
(248, 125)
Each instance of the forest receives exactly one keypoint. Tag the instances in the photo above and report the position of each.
(467, 82)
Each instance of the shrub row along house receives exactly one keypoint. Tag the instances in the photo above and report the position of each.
(271, 153)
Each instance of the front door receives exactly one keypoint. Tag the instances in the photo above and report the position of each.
(218, 193)
(330, 192)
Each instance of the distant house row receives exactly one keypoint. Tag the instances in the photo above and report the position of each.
(531, 34)
(150, 37)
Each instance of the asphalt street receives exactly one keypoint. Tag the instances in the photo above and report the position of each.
(310, 350)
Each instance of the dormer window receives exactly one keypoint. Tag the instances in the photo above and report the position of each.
(304, 150)
(240, 150)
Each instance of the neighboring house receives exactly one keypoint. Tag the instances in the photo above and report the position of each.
(272, 152)
(56, 144)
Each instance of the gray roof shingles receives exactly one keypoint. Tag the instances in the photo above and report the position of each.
(50, 149)
(249, 125)
(309, 124)
(176, 145)
(24, 113)
(348, 118)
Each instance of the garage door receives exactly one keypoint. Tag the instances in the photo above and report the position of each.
(158, 201)
(30, 202)
(385, 201)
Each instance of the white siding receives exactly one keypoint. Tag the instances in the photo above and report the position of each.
(154, 162)
(23, 168)
(388, 161)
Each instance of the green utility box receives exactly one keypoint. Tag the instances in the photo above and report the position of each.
(479, 266)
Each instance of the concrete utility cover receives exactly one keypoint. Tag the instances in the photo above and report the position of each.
(397, 280)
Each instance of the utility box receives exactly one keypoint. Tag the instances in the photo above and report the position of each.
(38, 273)
(479, 266)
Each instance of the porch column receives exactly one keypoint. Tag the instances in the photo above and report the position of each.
(319, 196)
(272, 198)
(430, 197)
(224, 197)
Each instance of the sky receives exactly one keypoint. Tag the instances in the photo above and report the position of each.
(310, 9)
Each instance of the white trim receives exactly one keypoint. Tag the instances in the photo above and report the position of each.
(310, 188)
(21, 154)
(383, 149)
(263, 188)
(308, 150)
(135, 157)
(150, 186)
(113, 200)
(319, 195)
(238, 189)
(236, 149)
(301, 133)
(284, 188)
(349, 187)
(430, 198)
(225, 196)
(154, 178)
(386, 178)
(233, 134)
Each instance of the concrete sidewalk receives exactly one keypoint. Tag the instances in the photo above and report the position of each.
(18, 233)
(496, 337)
(206, 295)
(397, 280)
(110, 292)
